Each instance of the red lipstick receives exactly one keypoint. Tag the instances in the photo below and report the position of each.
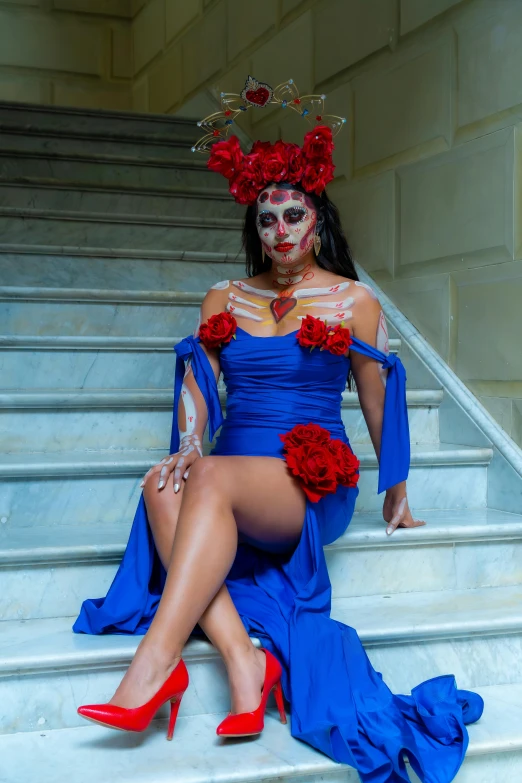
(284, 247)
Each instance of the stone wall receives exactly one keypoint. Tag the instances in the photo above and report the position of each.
(67, 52)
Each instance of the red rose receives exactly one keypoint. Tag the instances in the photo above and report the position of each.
(275, 163)
(245, 188)
(347, 464)
(296, 163)
(317, 174)
(253, 168)
(318, 143)
(313, 332)
(314, 466)
(218, 329)
(338, 340)
(260, 147)
(226, 157)
(304, 434)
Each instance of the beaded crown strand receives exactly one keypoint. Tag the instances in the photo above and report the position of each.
(258, 95)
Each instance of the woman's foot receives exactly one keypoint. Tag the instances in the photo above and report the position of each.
(143, 678)
(246, 674)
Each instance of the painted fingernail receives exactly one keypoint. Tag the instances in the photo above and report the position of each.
(185, 475)
(389, 529)
(176, 487)
(142, 484)
(161, 484)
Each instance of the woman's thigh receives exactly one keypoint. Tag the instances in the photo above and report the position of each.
(266, 500)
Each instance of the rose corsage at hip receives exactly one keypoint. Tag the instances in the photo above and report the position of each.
(316, 333)
(320, 463)
(218, 329)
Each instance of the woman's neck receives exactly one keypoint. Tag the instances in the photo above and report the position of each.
(285, 276)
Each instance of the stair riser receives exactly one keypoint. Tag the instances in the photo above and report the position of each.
(403, 569)
(43, 118)
(97, 319)
(488, 768)
(57, 590)
(75, 171)
(145, 274)
(44, 701)
(69, 369)
(112, 499)
(119, 202)
(440, 486)
(119, 148)
(140, 427)
(125, 236)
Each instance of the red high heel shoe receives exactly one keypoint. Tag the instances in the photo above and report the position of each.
(244, 724)
(138, 719)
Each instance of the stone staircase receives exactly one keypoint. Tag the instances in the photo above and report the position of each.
(110, 233)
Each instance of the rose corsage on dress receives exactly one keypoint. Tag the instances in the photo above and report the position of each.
(319, 462)
(316, 333)
(218, 329)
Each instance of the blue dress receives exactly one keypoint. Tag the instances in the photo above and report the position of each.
(284, 597)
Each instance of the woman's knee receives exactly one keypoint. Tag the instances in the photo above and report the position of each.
(158, 500)
(206, 473)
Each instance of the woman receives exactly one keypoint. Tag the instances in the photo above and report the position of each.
(231, 544)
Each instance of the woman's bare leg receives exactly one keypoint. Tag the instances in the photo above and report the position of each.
(220, 621)
(222, 494)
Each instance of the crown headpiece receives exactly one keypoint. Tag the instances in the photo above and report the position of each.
(310, 165)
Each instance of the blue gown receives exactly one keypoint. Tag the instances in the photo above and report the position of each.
(339, 704)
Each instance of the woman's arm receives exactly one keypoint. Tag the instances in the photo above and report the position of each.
(369, 325)
(192, 409)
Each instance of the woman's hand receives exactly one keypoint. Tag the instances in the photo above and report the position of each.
(396, 510)
(189, 452)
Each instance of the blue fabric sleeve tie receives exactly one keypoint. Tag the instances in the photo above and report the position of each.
(204, 375)
(394, 457)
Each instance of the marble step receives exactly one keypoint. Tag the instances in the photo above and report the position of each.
(86, 362)
(46, 670)
(107, 170)
(68, 312)
(54, 141)
(82, 754)
(65, 419)
(39, 194)
(47, 573)
(87, 123)
(90, 487)
(174, 270)
(100, 230)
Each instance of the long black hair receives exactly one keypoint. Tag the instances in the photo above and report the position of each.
(335, 255)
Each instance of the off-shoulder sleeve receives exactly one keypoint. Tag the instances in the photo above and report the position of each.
(187, 348)
(394, 458)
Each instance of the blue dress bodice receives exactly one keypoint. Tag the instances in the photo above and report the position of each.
(273, 383)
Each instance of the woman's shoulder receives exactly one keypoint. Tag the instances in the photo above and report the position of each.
(360, 292)
(215, 299)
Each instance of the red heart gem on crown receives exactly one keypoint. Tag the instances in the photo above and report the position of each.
(260, 97)
(280, 307)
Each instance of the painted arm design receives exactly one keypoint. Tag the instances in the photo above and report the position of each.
(192, 421)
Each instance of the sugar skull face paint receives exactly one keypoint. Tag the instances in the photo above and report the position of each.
(286, 221)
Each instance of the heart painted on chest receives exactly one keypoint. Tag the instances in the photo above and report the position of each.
(280, 307)
(259, 97)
